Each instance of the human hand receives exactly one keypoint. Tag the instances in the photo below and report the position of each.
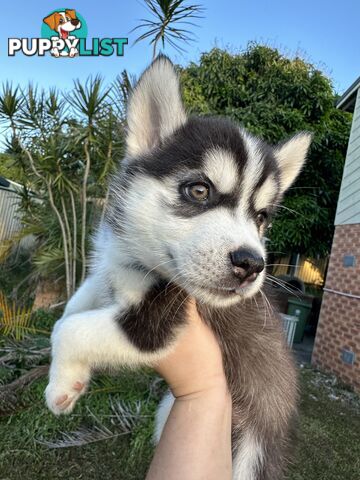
(195, 365)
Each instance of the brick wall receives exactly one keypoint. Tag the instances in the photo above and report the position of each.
(338, 333)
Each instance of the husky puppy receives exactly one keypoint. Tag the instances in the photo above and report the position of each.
(186, 217)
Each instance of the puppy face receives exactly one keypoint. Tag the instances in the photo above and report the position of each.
(197, 194)
(63, 22)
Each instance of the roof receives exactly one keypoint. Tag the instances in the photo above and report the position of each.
(348, 99)
(6, 184)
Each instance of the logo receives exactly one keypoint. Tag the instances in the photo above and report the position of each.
(64, 34)
(64, 28)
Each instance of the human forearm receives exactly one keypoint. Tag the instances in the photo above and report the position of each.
(196, 441)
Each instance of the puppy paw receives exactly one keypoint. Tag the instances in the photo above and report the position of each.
(63, 391)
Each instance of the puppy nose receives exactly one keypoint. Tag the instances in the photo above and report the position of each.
(75, 22)
(246, 263)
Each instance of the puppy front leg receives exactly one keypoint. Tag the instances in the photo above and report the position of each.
(81, 342)
(91, 295)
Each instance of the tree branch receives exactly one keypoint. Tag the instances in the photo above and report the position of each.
(73, 207)
(63, 232)
(84, 208)
(69, 242)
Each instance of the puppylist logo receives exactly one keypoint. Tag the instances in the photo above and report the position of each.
(64, 34)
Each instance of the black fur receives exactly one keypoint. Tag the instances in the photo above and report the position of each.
(152, 325)
(182, 156)
(185, 149)
(186, 208)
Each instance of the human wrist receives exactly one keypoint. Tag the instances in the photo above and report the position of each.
(213, 387)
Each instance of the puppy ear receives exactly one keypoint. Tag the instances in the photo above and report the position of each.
(71, 13)
(291, 157)
(155, 108)
(52, 20)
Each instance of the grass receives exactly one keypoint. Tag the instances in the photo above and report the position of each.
(122, 456)
(328, 446)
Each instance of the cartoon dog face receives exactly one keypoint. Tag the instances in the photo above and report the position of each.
(63, 22)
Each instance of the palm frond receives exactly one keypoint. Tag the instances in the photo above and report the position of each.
(88, 99)
(10, 101)
(124, 417)
(166, 14)
(15, 320)
(26, 352)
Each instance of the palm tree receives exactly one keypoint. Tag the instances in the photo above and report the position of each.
(169, 18)
(65, 145)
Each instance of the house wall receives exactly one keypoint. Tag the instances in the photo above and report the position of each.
(337, 343)
(10, 223)
(348, 208)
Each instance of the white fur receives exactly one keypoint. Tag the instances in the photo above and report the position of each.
(88, 335)
(253, 167)
(87, 340)
(291, 157)
(162, 415)
(90, 296)
(199, 246)
(248, 458)
(265, 194)
(221, 168)
(155, 109)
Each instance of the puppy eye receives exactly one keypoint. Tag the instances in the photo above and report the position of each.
(198, 191)
(68, 19)
(61, 20)
(261, 217)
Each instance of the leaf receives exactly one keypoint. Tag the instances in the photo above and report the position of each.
(124, 418)
(89, 99)
(168, 17)
(15, 320)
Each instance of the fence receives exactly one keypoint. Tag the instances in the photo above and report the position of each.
(10, 221)
(309, 270)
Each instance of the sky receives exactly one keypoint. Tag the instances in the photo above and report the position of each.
(326, 32)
